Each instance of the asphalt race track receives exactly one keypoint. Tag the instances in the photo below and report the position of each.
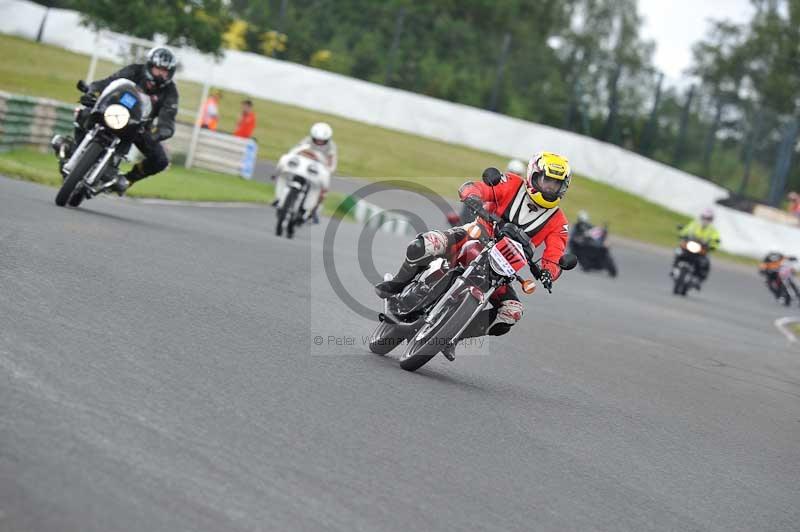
(159, 371)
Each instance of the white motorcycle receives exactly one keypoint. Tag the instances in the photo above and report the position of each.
(302, 177)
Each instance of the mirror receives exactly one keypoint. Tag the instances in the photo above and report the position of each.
(568, 261)
(492, 176)
(82, 86)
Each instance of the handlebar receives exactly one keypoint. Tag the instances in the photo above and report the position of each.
(494, 219)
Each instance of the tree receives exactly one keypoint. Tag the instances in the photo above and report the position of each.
(197, 23)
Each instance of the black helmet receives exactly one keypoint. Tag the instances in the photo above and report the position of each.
(160, 57)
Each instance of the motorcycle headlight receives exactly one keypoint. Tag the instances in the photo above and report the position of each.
(693, 247)
(293, 162)
(116, 116)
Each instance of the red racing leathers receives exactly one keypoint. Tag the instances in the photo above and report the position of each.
(510, 200)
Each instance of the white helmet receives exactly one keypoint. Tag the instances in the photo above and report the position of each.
(515, 166)
(583, 216)
(321, 133)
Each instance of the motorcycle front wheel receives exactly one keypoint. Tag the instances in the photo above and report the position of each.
(82, 167)
(427, 344)
(681, 283)
(611, 266)
(286, 214)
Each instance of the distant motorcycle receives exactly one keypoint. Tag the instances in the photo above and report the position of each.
(436, 308)
(778, 272)
(116, 117)
(684, 273)
(299, 185)
(592, 251)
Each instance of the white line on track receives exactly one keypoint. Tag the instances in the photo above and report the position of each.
(781, 324)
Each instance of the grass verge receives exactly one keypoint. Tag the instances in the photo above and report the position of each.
(366, 151)
(176, 183)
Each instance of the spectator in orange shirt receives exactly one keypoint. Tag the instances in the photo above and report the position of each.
(247, 122)
(209, 118)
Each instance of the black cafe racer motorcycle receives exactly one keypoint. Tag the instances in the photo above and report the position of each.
(110, 125)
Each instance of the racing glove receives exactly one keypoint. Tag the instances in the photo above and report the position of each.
(88, 99)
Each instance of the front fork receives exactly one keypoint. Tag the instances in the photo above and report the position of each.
(459, 283)
(101, 166)
(76, 154)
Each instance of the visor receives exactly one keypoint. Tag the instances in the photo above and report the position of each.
(550, 188)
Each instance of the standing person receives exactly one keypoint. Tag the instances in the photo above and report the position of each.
(247, 121)
(209, 117)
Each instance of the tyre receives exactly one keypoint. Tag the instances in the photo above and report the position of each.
(285, 214)
(787, 298)
(383, 340)
(681, 283)
(77, 196)
(611, 266)
(421, 350)
(84, 164)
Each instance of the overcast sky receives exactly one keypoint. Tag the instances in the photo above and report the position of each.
(677, 24)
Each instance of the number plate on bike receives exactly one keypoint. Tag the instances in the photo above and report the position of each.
(507, 257)
(128, 100)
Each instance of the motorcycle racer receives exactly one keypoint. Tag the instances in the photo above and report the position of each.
(319, 141)
(701, 230)
(155, 78)
(531, 203)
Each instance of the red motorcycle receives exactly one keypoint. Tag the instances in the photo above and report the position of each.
(436, 308)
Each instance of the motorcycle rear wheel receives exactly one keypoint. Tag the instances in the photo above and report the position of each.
(87, 160)
(421, 350)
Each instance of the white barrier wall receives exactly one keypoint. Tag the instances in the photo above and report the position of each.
(413, 113)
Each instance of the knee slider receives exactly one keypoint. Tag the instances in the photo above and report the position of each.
(426, 245)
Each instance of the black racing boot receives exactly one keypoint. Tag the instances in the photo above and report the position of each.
(124, 181)
(63, 147)
(56, 143)
(396, 285)
(120, 186)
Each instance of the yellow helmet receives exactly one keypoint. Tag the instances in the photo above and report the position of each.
(548, 178)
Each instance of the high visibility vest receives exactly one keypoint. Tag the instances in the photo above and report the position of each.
(209, 118)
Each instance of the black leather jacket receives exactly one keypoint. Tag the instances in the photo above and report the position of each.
(164, 100)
